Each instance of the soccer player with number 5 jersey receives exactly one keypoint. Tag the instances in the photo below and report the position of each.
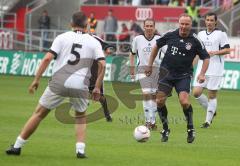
(74, 52)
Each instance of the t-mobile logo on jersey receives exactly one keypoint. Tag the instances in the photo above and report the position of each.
(174, 50)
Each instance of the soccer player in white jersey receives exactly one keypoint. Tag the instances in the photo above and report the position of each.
(141, 47)
(217, 45)
(74, 52)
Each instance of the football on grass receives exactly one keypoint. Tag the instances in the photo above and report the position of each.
(141, 133)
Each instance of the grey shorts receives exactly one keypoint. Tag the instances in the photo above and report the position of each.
(51, 100)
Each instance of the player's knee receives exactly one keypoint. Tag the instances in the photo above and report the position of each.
(160, 102)
(41, 112)
(102, 99)
(184, 102)
(80, 113)
(212, 94)
(80, 117)
(196, 93)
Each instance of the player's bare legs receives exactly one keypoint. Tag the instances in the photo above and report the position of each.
(209, 104)
(187, 108)
(161, 98)
(202, 100)
(28, 129)
(188, 112)
(200, 97)
(80, 128)
(33, 122)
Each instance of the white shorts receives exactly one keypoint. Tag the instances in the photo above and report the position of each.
(211, 83)
(50, 101)
(149, 84)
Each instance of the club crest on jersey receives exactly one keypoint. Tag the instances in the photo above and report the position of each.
(188, 46)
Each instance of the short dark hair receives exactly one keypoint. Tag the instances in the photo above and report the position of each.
(185, 15)
(79, 19)
(148, 19)
(212, 14)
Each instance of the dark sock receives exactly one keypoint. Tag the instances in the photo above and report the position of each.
(162, 112)
(103, 102)
(189, 116)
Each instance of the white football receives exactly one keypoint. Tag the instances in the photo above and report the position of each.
(141, 133)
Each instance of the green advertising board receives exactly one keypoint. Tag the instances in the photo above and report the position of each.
(231, 75)
(22, 63)
(117, 67)
(27, 63)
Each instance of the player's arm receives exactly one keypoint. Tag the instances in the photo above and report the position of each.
(220, 52)
(99, 56)
(195, 60)
(43, 66)
(224, 46)
(132, 65)
(132, 57)
(203, 55)
(201, 76)
(101, 72)
(152, 57)
(99, 81)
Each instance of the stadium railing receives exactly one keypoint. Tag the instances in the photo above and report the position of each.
(10, 39)
(205, 3)
(8, 19)
(36, 37)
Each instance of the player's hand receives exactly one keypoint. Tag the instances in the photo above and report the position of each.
(201, 78)
(148, 71)
(96, 94)
(33, 87)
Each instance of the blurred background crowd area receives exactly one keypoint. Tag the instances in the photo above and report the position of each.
(33, 24)
(211, 3)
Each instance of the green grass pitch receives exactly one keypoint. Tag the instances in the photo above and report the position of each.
(112, 143)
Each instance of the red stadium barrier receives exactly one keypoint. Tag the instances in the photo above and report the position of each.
(124, 13)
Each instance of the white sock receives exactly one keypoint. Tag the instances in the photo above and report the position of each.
(203, 101)
(19, 142)
(212, 106)
(80, 147)
(153, 116)
(146, 109)
(153, 111)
